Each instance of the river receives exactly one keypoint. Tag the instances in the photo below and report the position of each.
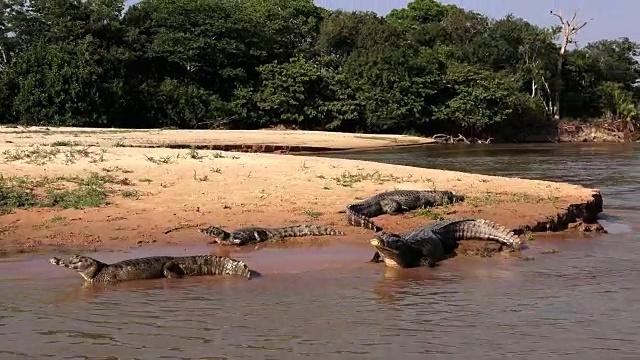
(582, 302)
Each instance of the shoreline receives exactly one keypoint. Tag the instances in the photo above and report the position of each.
(152, 190)
(254, 141)
(299, 142)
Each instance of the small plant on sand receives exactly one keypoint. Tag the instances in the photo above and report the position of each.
(219, 155)
(160, 161)
(348, 179)
(57, 219)
(116, 169)
(199, 178)
(123, 181)
(71, 156)
(520, 197)
(5, 229)
(145, 180)
(193, 154)
(65, 143)
(484, 199)
(429, 213)
(313, 214)
(99, 157)
(130, 193)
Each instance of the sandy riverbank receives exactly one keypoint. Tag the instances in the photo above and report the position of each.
(281, 141)
(152, 190)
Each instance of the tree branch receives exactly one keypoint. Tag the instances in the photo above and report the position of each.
(569, 27)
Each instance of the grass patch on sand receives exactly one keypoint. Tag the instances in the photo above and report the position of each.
(67, 192)
(348, 179)
(41, 155)
(193, 154)
(490, 198)
(312, 214)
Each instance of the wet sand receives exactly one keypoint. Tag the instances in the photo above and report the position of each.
(159, 195)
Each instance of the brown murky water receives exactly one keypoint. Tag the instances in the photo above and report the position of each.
(582, 302)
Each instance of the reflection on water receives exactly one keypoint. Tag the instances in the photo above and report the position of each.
(578, 303)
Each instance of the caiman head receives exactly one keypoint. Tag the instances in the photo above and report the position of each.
(395, 251)
(215, 232)
(86, 266)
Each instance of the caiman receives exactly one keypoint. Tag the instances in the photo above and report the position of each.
(255, 234)
(154, 267)
(428, 245)
(396, 201)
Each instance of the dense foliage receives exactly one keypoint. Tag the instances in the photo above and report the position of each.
(426, 69)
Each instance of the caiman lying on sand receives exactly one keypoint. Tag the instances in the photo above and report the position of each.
(154, 267)
(394, 202)
(428, 245)
(254, 234)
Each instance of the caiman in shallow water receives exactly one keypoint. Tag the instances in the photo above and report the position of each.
(255, 234)
(396, 201)
(154, 267)
(428, 245)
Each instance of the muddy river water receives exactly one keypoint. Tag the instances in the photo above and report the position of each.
(582, 302)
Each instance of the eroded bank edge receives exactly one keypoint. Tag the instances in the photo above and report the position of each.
(585, 213)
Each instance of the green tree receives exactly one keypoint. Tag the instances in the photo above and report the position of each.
(476, 99)
(428, 68)
(59, 72)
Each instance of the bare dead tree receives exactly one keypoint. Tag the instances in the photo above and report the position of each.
(570, 29)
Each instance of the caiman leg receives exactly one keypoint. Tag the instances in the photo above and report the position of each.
(261, 235)
(172, 271)
(391, 207)
(427, 262)
(375, 258)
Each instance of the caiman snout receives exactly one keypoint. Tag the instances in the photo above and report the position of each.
(55, 261)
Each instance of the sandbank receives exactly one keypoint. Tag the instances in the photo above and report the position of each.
(160, 195)
(281, 141)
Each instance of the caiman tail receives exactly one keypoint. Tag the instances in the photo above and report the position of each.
(306, 230)
(200, 265)
(354, 218)
(478, 229)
